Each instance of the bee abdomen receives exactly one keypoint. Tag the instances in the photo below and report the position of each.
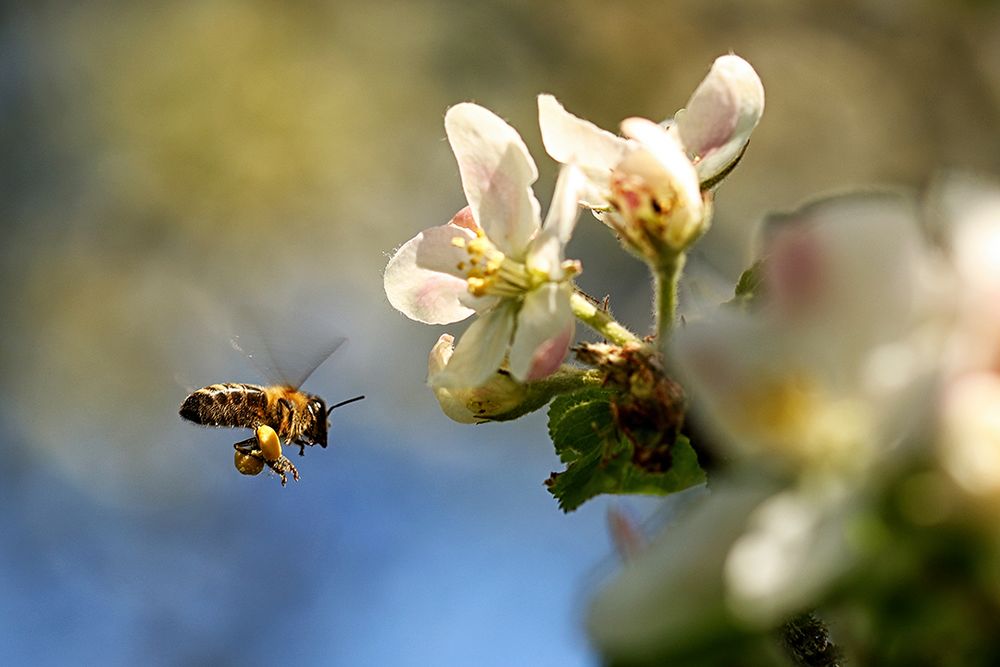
(229, 404)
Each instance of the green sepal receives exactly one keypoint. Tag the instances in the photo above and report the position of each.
(749, 288)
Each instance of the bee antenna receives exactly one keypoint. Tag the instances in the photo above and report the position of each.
(350, 400)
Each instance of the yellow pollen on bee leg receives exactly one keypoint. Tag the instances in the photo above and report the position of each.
(269, 443)
(247, 464)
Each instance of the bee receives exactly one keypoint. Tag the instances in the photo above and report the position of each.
(276, 413)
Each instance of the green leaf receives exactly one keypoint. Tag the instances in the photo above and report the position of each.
(579, 422)
(750, 286)
(600, 460)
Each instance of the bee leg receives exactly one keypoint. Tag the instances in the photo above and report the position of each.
(302, 449)
(282, 466)
(247, 446)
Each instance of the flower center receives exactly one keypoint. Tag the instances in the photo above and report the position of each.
(489, 272)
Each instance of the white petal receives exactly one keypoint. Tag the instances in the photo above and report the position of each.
(721, 114)
(572, 140)
(629, 620)
(452, 406)
(971, 429)
(545, 254)
(795, 547)
(422, 279)
(480, 351)
(545, 327)
(497, 173)
(857, 261)
(565, 209)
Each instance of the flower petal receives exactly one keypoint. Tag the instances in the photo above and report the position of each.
(723, 111)
(564, 209)
(452, 406)
(794, 548)
(545, 327)
(422, 280)
(545, 253)
(857, 260)
(480, 351)
(572, 140)
(628, 620)
(497, 173)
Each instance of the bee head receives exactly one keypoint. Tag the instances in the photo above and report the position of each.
(318, 423)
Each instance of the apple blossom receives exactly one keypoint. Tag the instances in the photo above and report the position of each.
(494, 258)
(970, 412)
(829, 372)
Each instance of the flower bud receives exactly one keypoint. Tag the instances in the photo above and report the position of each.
(499, 395)
(715, 125)
(656, 201)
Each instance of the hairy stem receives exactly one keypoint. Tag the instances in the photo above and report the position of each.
(600, 320)
(539, 392)
(666, 276)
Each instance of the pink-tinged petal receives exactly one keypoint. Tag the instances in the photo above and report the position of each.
(857, 261)
(723, 111)
(422, 280)
(464, 218)
(497, 172)
(572, 140)
(545, 327)
(480, 351)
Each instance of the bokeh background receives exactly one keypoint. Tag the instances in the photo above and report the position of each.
(176, 173)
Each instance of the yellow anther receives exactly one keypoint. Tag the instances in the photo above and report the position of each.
(477, 286)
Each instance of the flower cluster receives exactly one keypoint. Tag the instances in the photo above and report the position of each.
(845, 404)
(864, 371)
(498, 260)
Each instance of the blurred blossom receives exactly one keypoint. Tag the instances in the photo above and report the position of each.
(495, 258)
(795, 544)
(971, 434)
(970, 415)
(672, 595)
(832, 369)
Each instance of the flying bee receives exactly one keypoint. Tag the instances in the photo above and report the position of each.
(276, 413)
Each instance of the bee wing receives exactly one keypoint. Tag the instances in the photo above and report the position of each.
(284, 351)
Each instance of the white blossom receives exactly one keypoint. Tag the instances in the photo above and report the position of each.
(494, 258)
